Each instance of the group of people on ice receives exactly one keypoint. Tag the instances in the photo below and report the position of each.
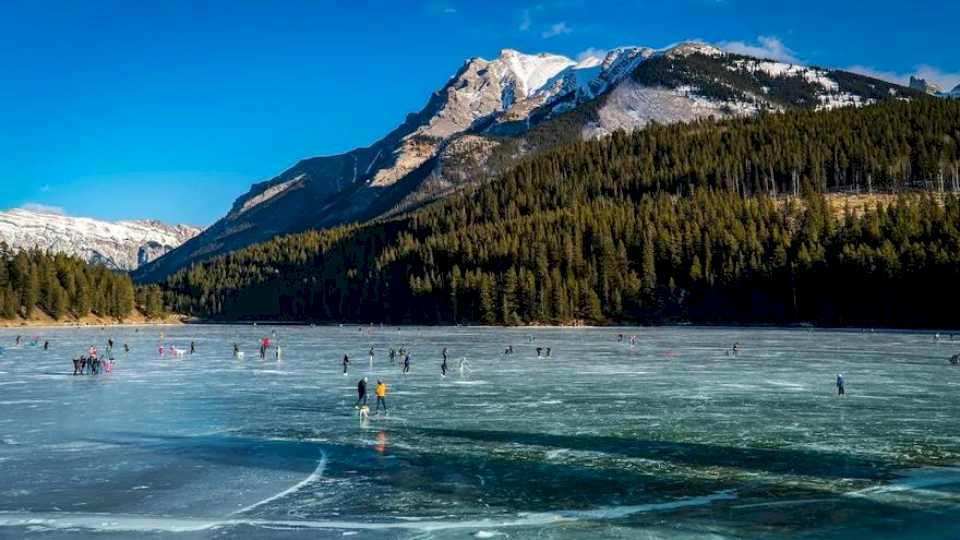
(92, 364)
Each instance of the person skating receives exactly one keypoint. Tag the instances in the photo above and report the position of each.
(361, 392)
(346, 363)
(406, 363)
(381, 391)
(840, 390)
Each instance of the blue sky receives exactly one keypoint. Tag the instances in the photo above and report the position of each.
(170, 109)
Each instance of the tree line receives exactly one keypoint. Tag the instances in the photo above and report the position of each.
(679, 223)
(60, 286)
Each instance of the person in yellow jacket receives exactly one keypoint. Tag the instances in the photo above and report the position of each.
(381, 392)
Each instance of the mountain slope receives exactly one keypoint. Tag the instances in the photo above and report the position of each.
(666, 223)
(492, 113)
(122, 245)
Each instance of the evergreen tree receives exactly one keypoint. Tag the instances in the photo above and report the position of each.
(711, 221)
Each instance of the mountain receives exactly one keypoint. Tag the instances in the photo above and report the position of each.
(933, 89)
(922, 85)
(121, 245)
(848, 216)
(492, 113)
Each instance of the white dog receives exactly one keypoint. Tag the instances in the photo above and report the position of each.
(364, 412)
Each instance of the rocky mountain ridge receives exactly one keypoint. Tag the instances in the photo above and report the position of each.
(491, 113)
(121, 245)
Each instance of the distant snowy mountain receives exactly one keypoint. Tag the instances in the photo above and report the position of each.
(123, 245)
(923, 85)
(933, 89)
(491, 113)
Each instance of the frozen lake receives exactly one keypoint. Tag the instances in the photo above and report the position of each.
(671, 438)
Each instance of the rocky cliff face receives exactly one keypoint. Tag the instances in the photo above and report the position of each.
(122, 245)
(921, 85)
(493, 112)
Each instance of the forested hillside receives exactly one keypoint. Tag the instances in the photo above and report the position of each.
(61, 286)
(687, 222)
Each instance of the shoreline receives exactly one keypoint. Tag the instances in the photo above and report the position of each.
(745, 326)
(89, 323)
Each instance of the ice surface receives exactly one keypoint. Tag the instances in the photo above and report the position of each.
(671, 438)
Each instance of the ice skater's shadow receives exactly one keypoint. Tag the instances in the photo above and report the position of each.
(777, 461)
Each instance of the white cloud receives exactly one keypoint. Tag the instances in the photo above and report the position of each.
(889, 76)
(592, 52)
(773, 48)
(556, 29)
(948, 81)
(525, 20)
(945, 80)
(765, 47)
(44, 209)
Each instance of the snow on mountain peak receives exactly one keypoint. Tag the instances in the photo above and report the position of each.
(686, 49)
(532, 71)
(589, 62)
(121, 245)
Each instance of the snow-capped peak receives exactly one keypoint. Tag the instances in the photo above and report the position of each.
(589, 62)
(532, 71)
(592, 75)
(686, 49)
(122, 245)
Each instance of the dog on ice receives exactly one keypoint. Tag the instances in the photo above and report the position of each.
(364, 412)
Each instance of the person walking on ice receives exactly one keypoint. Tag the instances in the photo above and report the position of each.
(346, 364)
(381, 391)
(840, 389)
(361, 392)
